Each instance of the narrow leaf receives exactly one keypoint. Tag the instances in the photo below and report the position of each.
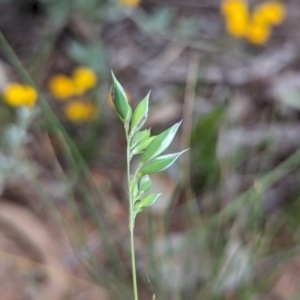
(160, 143)
(148, 200)
(144, 134)
(142, 146)
(139, 137)
(145, 184)
(160, 163)
(140, 115)
(120, 100)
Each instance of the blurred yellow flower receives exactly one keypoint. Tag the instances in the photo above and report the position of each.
(258, 33)
(16, 94)
(62, 87)
(84, 79)
(110, 101)
(233, 7)
(270, 13)
(256, 27)
(130, 3)
(80, 111)
(237, 25)
(236, 15)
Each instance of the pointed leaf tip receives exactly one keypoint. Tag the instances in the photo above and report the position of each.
(140, 115)
(120, 100)
(149, 200)
(160, 143)
(142, 146)
(160, 163)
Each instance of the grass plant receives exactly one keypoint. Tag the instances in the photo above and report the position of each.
(206, 216)
(140, 142)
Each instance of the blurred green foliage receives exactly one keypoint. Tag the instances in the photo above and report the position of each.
(205, 166)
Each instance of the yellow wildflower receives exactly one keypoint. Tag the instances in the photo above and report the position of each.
(233, 7)
(258, 33)
(80, 111)
(270, 13)
(84, 79)
(237, 25)
(61, 86)
(256, 27)
(110, 101)
(130, 3)
(16, 94)
(236, 14)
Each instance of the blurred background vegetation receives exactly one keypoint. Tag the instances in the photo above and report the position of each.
(227, 223)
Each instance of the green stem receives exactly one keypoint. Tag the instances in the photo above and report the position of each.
(133, 264)
(131, 219)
